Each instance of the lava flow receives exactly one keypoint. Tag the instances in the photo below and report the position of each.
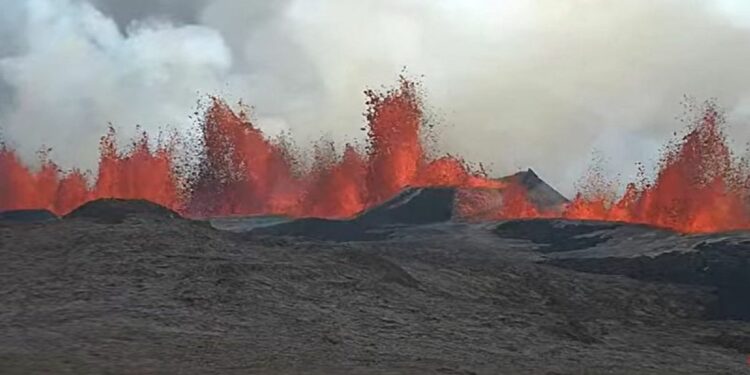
(700, 187)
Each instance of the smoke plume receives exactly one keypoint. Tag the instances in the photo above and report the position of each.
(513, 84)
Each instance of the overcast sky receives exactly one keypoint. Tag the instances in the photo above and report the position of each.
(514, 84)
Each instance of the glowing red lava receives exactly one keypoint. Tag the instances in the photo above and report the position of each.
(700, 186)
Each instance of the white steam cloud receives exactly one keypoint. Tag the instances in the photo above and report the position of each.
(516, 84)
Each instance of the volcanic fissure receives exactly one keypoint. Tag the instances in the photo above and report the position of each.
(699, 187)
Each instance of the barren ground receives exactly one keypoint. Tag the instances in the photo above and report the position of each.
(146, 293)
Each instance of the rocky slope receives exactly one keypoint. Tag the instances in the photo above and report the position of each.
(150, 292)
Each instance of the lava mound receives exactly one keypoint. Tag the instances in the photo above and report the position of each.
(540, 194)
(482, 203)
(412, 206)
(27, 216)
(115, 211)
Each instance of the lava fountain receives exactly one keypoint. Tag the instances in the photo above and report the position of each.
(699, 187)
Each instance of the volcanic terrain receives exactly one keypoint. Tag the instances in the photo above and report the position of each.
(229, 168)
(387, 258)
(131, 287)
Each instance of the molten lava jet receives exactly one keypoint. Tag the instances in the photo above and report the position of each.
(700, 186)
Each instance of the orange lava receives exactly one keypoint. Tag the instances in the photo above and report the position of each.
(137, 174)
(244, 173)
(700, 186)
